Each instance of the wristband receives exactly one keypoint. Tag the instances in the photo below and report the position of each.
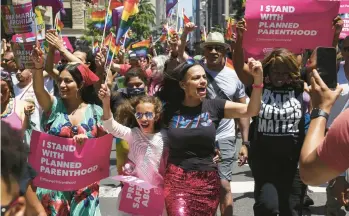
(39, 68)
(258, 86)
(246, 143)
(316, 112)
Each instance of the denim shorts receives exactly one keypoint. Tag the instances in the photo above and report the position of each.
(227, 148)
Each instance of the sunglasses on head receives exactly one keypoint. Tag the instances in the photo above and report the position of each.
(148, 115)
(217, 48)
(5, 75)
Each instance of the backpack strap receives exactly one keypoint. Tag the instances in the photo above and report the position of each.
(219, 93)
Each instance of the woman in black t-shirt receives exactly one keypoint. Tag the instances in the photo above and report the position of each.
(191, 181)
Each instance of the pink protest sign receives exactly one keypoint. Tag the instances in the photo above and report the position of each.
(134, 180)
(344, 7)
(64, 166)
(260, 54)
(17, 18)
(345, 29)
(138, 201)
(289, 24)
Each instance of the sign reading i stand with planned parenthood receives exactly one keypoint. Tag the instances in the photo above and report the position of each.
(289, 24)
(65, 166)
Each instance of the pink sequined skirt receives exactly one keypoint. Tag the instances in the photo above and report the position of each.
(191, 193)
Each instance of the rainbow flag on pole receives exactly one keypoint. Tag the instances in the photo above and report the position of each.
(229, 31)
(127, 17)
(59, 26)
(185, 18)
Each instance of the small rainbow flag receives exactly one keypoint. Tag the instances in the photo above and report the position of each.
(185, 18)
(164, 33)
(98, 16)
(107, 39)
(95, 47)
(141, 45)
(229, 31)
(114, 4)
(59, 26)
(127, 17)
(171, 32)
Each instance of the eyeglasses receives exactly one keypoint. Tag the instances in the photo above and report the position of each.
(217, 48)
(148, 115)
(14, 202)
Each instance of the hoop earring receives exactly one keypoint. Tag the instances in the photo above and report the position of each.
(266, 79)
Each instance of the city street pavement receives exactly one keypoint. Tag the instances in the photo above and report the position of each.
(242, 189)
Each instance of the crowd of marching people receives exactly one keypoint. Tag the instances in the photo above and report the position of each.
(175, 120)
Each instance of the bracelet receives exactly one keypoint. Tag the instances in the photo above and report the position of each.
(258, 86)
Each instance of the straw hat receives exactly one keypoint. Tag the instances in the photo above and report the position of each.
(215, 38)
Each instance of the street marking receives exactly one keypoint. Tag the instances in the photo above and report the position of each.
(236, 188)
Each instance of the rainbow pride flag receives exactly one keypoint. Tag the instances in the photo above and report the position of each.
(95, 47)
(185, 18)
(59, 26)
(141, 45)
(107, 39)
(98, 16)
(127, 17)
(229, 31)
(164, 33)
(114, 4)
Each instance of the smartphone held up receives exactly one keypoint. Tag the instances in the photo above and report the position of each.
(326, 65)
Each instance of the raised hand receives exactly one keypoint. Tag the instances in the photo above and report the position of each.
(321, 96)
(338, 24)
(37, 57)
(189, 27)
(54, 41)
(104, 94)
(241, 27)
(256, 69)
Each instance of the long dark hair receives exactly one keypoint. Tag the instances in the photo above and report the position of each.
(170, 92)
(87, 93)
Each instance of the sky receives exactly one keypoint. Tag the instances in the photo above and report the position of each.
(188, 7)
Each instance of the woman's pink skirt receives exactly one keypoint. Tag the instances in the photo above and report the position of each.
(191, 193)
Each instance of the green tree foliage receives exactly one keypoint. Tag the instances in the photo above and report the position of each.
(141, 26)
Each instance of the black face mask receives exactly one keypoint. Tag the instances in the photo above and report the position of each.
(132, 92)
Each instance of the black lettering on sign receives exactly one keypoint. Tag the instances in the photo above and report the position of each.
(280, 113)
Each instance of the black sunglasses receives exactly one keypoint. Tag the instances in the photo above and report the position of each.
(148, 115)
(217, 48)
(6, 60)
(4, 209)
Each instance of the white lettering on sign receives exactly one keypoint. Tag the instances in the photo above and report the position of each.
(272, 17)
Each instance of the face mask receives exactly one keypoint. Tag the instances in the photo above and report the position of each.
(135, 92)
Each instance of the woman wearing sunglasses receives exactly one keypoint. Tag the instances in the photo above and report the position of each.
(192, 182)
(147, 142)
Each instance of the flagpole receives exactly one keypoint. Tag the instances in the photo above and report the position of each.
(35, 27)
(177, 16)
(105, 22)
(111, 62)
